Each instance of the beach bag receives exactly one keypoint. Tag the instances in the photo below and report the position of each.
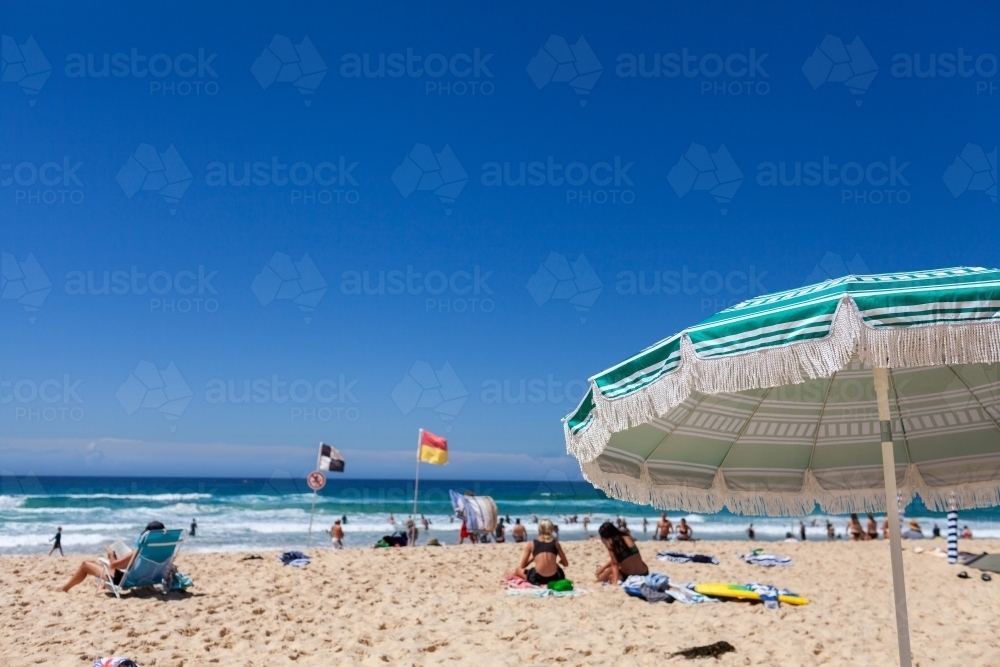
(115, 662)
(560, 585)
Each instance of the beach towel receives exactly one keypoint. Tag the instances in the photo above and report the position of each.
(765, 560)
(517, 586)
(678, 557)
(985, 562)
(687, 594)
(294, 558)
(656, 587)
(115, 662)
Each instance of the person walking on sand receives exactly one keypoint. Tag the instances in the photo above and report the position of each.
(194, 527)
(337, 535)
(411, 533)
(663, 528)
(802, 531)
(57, 542)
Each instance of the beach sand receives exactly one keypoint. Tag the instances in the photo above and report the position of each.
(431, 606)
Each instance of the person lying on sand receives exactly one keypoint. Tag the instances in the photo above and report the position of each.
(547, 555)
(625, 557)
(118, 564)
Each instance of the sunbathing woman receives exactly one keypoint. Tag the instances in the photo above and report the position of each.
(544, 552)
(118, 563)
(625, 557)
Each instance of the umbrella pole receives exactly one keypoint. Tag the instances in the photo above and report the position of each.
(892, 509)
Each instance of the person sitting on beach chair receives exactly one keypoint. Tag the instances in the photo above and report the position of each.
(547, 555)
(112, 569)
(625, 557)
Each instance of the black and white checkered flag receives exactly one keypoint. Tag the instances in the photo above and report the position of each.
(330, 459)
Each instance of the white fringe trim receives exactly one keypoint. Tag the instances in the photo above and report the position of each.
(709, 501)
(897, 347)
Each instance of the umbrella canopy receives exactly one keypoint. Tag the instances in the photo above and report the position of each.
(770, 406)
(794, 399)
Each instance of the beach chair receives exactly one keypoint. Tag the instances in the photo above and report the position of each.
(151, 564)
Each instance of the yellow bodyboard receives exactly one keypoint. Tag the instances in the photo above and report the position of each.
(740, 592)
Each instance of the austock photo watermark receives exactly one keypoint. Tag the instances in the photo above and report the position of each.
(600, 182)
(736, 74)
(323, 182)
(309, 400)
(53, 181)
(314, 399)
(715, 290)
(462, 74)
(187, 291)
(440, 390)
(462, 291)
(42, 400)
(183, 74)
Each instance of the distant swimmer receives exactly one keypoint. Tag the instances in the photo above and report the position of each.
(343, 519)
(57, 542)
(392, 519)
(337, 535)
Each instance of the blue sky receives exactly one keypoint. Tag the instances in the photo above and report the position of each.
(648, 202)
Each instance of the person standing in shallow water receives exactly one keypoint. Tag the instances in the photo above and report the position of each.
(751, 533)
(194, 527)
(802, 531)
(57, 542)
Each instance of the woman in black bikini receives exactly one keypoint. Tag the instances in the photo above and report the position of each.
(625, 557)
(544, 552)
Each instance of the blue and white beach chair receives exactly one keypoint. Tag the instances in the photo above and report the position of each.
(151, 564)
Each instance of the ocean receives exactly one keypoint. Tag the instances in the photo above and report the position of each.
(258, 514)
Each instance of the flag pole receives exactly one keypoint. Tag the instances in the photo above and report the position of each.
(416, 478)
(312, 510)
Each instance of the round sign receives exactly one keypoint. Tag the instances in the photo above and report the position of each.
(316, 480)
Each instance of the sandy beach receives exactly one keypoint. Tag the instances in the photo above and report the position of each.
(430, 606)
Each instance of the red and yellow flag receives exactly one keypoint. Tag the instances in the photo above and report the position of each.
(433, 448)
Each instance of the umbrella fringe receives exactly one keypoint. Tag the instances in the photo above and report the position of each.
(893, 347)
(718, 496)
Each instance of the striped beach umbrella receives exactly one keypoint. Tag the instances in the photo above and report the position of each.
(839, 394)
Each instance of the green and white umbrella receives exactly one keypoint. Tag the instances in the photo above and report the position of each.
(838, 393)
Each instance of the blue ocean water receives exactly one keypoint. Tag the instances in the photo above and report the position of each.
(248, 514)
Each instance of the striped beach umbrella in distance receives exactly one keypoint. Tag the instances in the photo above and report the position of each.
(835, 394)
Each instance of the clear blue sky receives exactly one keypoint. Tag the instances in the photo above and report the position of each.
(359, 125)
